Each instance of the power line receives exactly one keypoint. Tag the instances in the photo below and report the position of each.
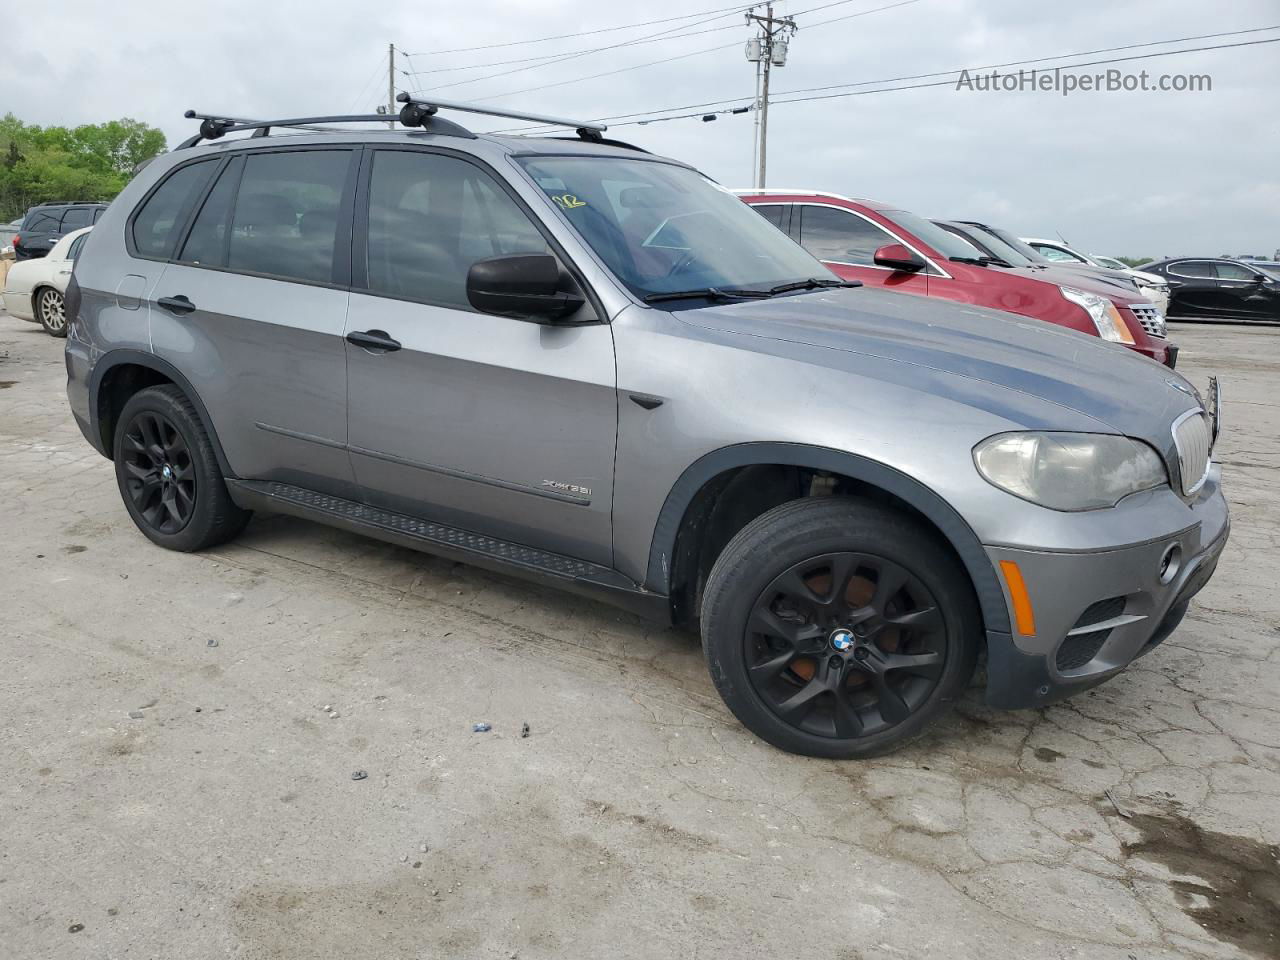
(949, 82)
(693, 53)
(589, 33)
(939, 73)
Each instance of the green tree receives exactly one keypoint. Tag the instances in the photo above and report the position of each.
(89, 162)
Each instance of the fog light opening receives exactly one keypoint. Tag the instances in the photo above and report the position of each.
(1170, 563)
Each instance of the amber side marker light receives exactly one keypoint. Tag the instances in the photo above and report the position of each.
(1023, 615)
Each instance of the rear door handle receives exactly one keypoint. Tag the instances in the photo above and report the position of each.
(178, 304)
(373, 340)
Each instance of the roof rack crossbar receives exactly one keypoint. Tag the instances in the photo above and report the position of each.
(213, 126)
(424, 107)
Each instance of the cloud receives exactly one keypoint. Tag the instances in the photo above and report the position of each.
(1121, 173)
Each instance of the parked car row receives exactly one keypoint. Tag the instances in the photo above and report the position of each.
(586, 364)
(35, 289)
(881, 245)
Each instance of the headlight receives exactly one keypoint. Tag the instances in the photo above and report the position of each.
(1069, 471)
(1103, 313)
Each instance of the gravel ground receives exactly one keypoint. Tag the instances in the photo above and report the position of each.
(176, 788)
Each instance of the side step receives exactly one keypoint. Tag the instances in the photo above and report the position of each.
(502, 556)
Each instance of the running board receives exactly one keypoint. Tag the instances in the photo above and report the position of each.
(502, 556)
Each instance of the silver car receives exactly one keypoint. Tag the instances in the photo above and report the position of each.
(571, 360)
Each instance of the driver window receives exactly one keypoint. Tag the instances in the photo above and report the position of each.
(430, 218)
(1234, 271)
(839, 236)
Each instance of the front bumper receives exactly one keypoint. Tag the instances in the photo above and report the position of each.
(1097, 611)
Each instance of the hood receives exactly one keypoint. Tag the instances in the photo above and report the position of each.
(863, 327)
(1102, 280)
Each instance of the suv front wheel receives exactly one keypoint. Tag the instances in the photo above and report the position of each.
(836, 627)
(168, 474)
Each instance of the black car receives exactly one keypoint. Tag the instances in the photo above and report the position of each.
(1203, 288)
(45, 223)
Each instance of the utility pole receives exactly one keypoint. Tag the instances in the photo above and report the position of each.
(769, 49)
(391, 85)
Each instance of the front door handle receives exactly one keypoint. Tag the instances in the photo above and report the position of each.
(374, 340)
(178, 304)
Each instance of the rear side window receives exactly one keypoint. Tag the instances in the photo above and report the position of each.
(285, 219)
(157, 222)
(75, 218)
(430, 218)
(1193, 268)
(74, 252)
(839, 236)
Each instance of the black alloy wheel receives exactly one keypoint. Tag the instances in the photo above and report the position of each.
(845, 645)
(159, 476)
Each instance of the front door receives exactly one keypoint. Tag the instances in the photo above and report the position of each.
(1246, 294)
(847, 242)
(496, 425)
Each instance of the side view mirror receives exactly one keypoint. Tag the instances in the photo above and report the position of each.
(522, 285)
(897, 257)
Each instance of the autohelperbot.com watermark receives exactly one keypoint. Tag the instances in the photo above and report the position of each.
(1065, 84)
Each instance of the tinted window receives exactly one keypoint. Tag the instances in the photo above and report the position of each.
(75, 218)
(42, 221)
(156, 223)
(1234, 271)
(840, 236)
(76, 244)
(771, 212)
(1193, 268)
(207, 242)
(285, 221)
(98, 212)
(430, 218)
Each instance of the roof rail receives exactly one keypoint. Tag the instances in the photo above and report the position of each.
(213, 126)
(416, 112)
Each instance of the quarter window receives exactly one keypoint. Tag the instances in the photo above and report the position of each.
(156, 224)
(285, 220)
(430, 218)
(839, 236)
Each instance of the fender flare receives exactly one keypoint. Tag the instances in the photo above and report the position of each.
(938, 511)
(117, 358)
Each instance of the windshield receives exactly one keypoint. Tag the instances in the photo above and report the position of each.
(998, 247)
(945, 242)
(662, 228)
(1028, 251)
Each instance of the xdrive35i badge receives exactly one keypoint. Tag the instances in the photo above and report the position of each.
(573, 488)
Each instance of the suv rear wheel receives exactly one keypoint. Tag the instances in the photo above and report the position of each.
(51, 312)
(839, 628)
(168, 474)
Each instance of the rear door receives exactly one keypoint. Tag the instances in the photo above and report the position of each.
(252, 306)
(500, 426)
(846, 242)
(1193, 289)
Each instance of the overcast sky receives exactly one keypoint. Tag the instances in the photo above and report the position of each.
(1133, 174)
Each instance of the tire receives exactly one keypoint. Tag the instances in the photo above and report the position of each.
(51, 311)
(838, 673)
(168, 474)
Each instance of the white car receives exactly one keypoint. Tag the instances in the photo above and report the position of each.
(34, 289)
(1154, 288)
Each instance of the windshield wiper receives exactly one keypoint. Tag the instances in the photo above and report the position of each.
(982, 261)
(813, 283)
(711, 293)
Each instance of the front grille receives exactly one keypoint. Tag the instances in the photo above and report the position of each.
(1078, 649)
(1151, 318)
(1192, 439)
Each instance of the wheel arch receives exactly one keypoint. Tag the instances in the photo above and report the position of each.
(118, 375)
(705, 479)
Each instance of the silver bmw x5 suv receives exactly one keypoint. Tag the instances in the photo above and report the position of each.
(568, 359)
